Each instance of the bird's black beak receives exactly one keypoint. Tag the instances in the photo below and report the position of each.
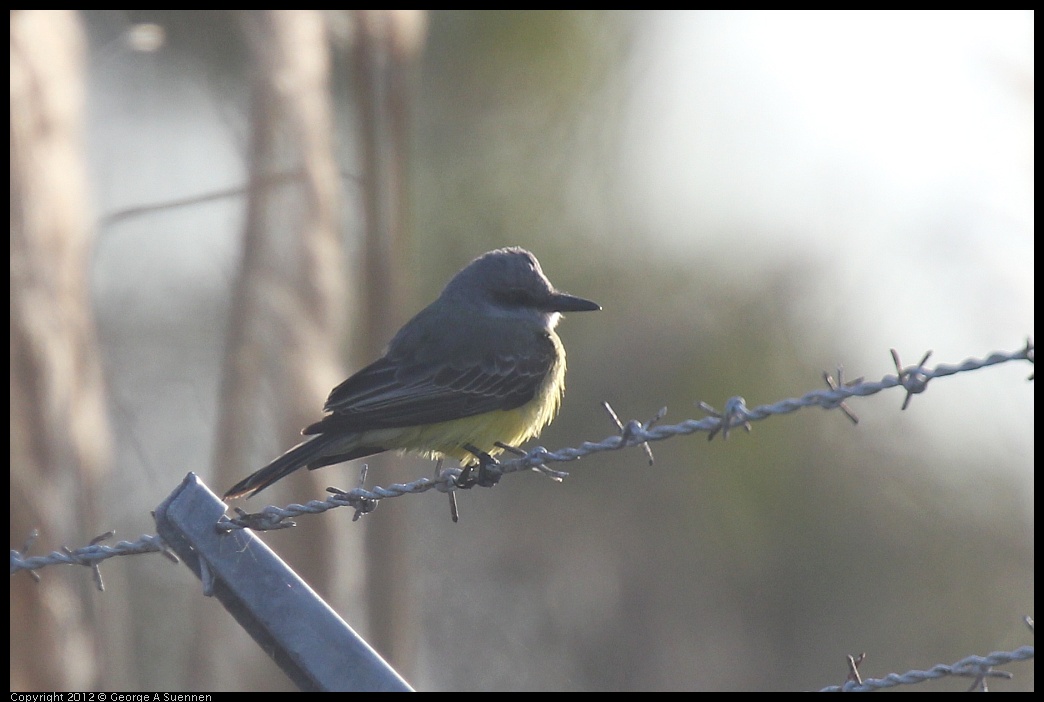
(561, 302)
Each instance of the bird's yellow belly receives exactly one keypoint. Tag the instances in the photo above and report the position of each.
(512, 427)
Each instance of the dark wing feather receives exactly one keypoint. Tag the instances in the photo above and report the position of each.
(393, 392)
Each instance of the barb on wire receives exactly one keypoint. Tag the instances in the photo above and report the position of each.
(26, 547)
(840, 382)
(913, 378)
(628, 432)
(735, 414)
(978, 667)
(853, 668)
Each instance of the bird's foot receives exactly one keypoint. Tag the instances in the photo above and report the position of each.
(485, 473)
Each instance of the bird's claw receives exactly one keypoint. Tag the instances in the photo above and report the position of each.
(485, 473)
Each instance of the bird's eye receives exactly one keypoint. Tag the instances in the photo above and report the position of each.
(514, 296)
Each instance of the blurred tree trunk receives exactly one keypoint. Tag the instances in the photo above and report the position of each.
(386, 44)
(288, 302)
(59, 432)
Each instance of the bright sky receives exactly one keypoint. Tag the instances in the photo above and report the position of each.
(895, 149)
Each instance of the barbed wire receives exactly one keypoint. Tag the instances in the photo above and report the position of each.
(980, 668)
(90, 556)
(914, 379)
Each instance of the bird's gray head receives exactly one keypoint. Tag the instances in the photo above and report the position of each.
(511, 279)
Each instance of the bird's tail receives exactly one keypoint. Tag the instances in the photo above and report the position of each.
(298, 457)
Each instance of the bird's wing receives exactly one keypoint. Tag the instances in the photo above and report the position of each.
(397, 392)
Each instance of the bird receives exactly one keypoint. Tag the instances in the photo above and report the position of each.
(478, 370)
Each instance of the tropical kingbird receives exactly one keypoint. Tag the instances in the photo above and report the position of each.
(479, 367)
